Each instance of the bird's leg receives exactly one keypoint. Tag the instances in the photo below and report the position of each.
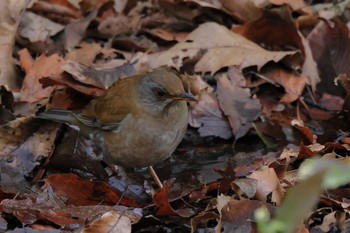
(155, 177)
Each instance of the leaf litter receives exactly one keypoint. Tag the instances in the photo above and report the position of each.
(271, 65)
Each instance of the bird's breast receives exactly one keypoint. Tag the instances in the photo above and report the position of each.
(145, 140)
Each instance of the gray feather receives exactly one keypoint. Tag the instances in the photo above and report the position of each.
(63, 116)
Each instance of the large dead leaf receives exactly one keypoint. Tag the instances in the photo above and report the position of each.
(207, 116)
(330, 45)
(238, 215)
(32, 90)
(77, 191)
(310, 68)
(236, 103)
(292, 82)
(24, 143)
(268, 183)
(224, 48)
(112, 222)
(9, 17)
(37, 28)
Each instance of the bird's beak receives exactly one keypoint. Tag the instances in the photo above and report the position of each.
(184, 96)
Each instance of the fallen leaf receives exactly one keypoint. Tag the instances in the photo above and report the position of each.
(236, 103)
(207, 116)
(111, 222)
(217, 51)
(37, 28)
(32, 90)
(75, 31)
(292, 82)
(9, 18)
(25, 144)
(310, 67)
(268, 182)
(238, 215)
(244, 11)
(162, 205)
(77, 191)
(330, 45)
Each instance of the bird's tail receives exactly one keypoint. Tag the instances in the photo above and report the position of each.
(64, 116)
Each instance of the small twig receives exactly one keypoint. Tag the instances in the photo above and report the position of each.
(155, 177)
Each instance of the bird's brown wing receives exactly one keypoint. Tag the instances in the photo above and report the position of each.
(112, 109)
(95, 123)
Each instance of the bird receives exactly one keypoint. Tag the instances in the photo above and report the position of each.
(138, 121)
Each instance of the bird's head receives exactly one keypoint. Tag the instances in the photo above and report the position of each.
(160, 90)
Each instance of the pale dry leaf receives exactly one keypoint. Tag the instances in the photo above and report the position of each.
(9, 18)
(111, 222)
(236, 103)
(37, 28)
(296, 5)
(119, 5)
(243, 10)
(101, 77)
(207, 116)
(75, 3)
(32, 90)
(85, 54)
(248, 186)
(195, 84)
(309, 69)
(204, 3)
(224, 49)
(267, 183)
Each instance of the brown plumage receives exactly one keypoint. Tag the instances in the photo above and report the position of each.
(138, 122)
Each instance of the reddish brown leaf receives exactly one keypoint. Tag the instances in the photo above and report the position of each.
(77, 191)
(276, 30)
(330, 44)
(161, 199)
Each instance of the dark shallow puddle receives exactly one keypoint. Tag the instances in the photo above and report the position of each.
(199, 161)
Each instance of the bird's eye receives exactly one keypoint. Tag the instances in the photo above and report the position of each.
(160, 92)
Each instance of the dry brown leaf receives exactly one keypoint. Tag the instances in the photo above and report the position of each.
(296, 5)
(277, 30)
(238, 215)
(85, 54)
(292, 82)
(243, 10)
(236, 103)
(111, 222)
(195, 84)
(224, 49)
(268, 183)
(207, 116)
(32, 90)
(9, 17)
(25, 59)
(309, 69)
(330, 45)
